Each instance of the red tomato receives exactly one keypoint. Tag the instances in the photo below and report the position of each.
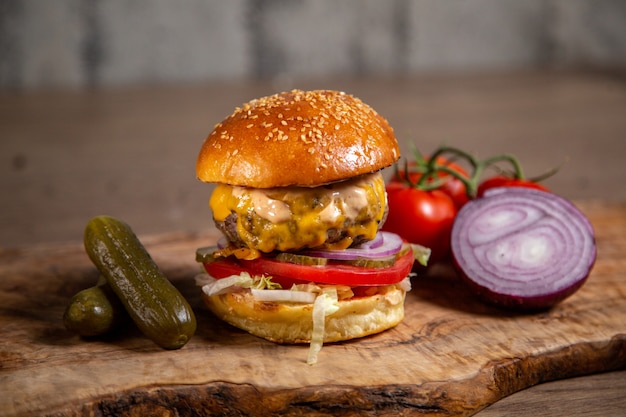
(503, 181)
(453, 187)
(422, 217)
(333, 273)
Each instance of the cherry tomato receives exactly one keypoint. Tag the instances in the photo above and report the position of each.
(284, 273)
(453, 186)
(503, 181)
(422, 217)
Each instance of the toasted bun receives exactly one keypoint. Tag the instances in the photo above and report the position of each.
(293, 323)
(301, 138)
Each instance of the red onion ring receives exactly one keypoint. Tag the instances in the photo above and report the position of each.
(372, 244)
(390, 245)
(222, 242)
(523, 248)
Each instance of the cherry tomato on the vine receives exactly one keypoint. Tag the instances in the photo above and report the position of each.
(451, 186)
(422, 217)
(503, 181)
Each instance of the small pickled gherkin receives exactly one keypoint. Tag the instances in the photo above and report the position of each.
(94, 311)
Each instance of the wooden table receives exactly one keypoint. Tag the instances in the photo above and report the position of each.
(130, 153)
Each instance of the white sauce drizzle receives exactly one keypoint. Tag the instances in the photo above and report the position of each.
(346, 198)
(270, 209)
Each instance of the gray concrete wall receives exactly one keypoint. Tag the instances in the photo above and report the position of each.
(83, 43)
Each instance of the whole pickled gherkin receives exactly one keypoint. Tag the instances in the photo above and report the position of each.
(94, 311)
(158, 309)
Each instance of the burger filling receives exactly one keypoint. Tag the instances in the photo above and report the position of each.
(334, 216)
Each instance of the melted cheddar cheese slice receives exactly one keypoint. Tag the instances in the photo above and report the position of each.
(292, 218)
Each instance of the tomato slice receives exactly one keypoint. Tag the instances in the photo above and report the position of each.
(286, 273)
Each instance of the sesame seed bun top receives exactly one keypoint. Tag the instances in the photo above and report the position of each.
(297, 138)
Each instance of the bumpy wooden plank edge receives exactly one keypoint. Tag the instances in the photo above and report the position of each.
(436, 399)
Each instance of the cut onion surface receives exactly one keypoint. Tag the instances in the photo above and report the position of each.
(523, 248)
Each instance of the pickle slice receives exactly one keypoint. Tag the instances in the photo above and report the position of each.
(205, 254)
(298, 259)
(372, 263)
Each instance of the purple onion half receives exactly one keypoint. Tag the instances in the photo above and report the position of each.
(523, 248)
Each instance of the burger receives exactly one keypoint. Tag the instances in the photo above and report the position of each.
(300, 199)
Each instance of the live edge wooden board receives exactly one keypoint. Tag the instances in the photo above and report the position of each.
(451, 356)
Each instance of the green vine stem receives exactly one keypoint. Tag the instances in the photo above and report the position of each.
(429, 168)
(450, 154)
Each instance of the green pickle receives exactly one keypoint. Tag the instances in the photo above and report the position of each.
(372, 263)
(298, 259)
(94, 311)
(158, 309)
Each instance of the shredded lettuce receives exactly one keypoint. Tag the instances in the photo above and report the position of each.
(212, 286)
(405, 284)
(325, 304)
(264, 283)
(421, 253)
(289, 296)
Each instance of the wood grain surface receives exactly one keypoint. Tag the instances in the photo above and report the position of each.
(451, 355)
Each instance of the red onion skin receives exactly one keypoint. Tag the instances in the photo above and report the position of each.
(519, 302)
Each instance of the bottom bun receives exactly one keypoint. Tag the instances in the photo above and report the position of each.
(293, 323)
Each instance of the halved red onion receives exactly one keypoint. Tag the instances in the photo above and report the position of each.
(389, 245)
(523, 248)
